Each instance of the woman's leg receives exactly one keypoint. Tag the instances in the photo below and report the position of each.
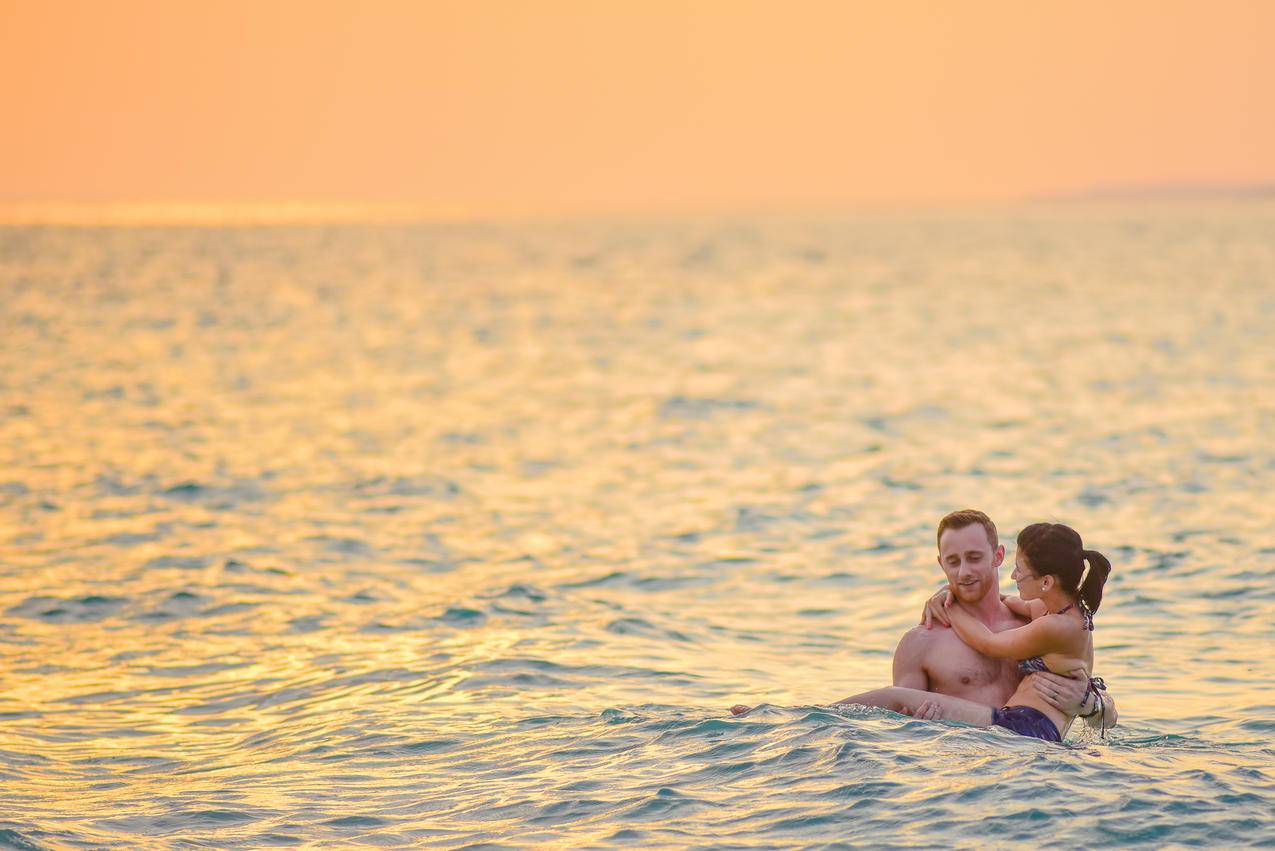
(909, 700)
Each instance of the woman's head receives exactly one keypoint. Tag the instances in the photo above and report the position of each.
(1055, 550)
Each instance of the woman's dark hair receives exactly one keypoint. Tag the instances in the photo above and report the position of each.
(1053, 548)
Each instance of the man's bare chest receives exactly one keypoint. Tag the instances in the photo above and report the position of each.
(953, 667)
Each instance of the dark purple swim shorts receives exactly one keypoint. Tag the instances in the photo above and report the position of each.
(1026, 721)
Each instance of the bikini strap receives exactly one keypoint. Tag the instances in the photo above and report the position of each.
(1096, 685)
(1086, 616)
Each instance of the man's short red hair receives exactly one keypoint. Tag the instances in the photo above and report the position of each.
(968, 517)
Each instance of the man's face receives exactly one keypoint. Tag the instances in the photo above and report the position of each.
(971, 565)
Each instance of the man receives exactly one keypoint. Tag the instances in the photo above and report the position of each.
(931, 656)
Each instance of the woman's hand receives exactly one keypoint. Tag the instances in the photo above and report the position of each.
(935, 610)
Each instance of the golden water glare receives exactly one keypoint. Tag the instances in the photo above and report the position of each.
(264, 484)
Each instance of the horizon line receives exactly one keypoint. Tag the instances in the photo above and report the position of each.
(244, 213)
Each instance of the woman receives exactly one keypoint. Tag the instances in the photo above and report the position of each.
(1060, 583)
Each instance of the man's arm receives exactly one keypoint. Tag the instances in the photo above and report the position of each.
(909, 669)
(909, 660)
(1070, 694)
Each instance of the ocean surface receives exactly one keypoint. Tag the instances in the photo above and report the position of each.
(469, 534)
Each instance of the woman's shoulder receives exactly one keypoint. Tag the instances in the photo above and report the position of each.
(1070, 621)
(1066, 631)
(1059, 624)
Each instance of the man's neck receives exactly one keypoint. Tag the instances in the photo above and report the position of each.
(989, 610)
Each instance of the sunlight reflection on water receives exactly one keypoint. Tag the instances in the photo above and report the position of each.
(463, 533)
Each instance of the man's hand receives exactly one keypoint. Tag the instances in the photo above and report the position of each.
(928, 711)
(1065, 693)
(935, 609)
(1070, 694)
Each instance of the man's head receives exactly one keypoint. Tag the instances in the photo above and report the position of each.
(970, 554)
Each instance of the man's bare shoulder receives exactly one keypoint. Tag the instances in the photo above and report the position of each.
(1008, 620)
(918, 639)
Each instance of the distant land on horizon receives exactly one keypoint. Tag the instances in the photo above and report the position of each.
(1166, 191)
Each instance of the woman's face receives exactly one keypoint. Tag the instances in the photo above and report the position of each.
(1025, 578)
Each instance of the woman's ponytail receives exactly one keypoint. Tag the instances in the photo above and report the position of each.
(1091, 588)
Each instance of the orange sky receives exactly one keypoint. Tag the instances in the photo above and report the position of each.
(546, 105)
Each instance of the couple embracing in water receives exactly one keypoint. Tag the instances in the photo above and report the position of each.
(1023, 663)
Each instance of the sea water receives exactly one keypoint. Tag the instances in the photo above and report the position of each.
(470, 533)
